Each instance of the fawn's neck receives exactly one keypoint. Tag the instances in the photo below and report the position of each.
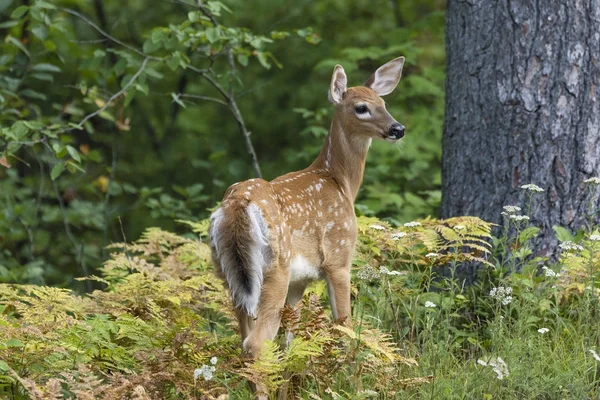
(344, 156)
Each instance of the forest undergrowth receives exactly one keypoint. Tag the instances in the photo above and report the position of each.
(161, 326)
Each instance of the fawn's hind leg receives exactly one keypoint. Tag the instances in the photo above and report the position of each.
(245, 322)
(272, 300)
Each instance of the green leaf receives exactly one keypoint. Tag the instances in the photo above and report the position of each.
(213, 34)
(33, 125)
(279, 34)
(13, 342)
(74, 167)
(40, 31)
(304, 32)
(50, 46)
(8, 24)
(43, 77)
(242, 59)
(263, 59)
(18, 44)
(33, 94)
(45, 67)
(74, 153)
(194, 16)
(19, 130)
(43, 4)
(562, 234)
(158, 35)
(58, 168)
(174, 61)
(528, 233)
(19, 12)
(4, 366)
(150, 46)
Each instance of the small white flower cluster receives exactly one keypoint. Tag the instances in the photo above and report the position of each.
(511, 212)
(595, 238)
(365, 394)
(502, 294)
(549, 272)
(459, 227)
(532, 188)
(543, 330)
(385, 271)
(519, 217)
(498, 365)
(377, 227)
(430, 304)
(412, 224)
(512, 209)
(398, 235)
(594, 354)
(206, 371)
(570, 246)
(432, 255)
(593, 181)
(367, 273)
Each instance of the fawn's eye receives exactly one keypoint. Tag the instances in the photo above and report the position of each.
(361, 109)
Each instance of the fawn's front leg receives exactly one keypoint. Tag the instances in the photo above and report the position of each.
(338, 288)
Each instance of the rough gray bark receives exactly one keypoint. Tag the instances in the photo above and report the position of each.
(522, 106)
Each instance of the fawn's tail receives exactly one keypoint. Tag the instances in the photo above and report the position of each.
(240, 247)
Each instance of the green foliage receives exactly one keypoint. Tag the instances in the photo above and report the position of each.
(162, 325)
(161, 317)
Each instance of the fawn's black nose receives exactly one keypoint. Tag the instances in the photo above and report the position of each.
(396, 130)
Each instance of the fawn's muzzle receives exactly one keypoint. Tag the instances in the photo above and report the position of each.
(396, 131)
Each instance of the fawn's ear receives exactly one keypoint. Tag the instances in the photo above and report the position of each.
(386, 78)
(337, 87)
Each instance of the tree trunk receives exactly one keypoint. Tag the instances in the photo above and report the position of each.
(522, 106)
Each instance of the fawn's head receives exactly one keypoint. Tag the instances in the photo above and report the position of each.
(361, 108)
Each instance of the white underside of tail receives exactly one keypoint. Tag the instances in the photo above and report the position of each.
(259, 258)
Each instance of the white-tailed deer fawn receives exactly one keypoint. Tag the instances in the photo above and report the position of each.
(270, 239)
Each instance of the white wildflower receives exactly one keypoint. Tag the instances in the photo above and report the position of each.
(593, 181)
(533, 188)
(543, 330)
(459, 227)
(500, 368)
(398, 235)
(512, 209)
(595, 238)
(502, 294)
(368, 393)
(549, 272)
(594, 354)
(570, 246)
(432, 255)
(367, 273)
(412, 224)
(214, 360)
(497, 364)
(206, 371)
(385, 271)
(377, 227)
(430, 304)
(519, 217)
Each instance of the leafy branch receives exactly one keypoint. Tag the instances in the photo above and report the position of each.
(228, 96)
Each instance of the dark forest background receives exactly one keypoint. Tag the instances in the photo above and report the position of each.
(119, 116)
